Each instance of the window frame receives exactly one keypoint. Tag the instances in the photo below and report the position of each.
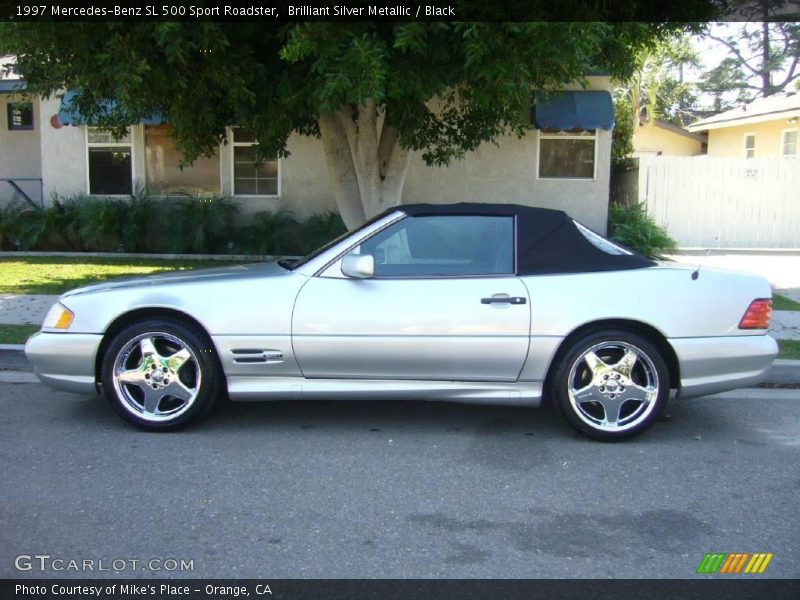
(783, 142)
(541, 135)
(234, 145)
(336, 263)
(114, 144)
(744, 144)
(11, 126)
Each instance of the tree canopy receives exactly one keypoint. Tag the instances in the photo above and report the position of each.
(373, 91)
(763, 52)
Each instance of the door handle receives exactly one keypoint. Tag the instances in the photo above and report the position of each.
(504, 300)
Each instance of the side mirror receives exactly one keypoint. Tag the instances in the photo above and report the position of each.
(358, 266)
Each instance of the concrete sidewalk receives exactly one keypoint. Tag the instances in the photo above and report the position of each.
(24, 309)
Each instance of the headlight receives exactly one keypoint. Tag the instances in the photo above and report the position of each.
(58, 317)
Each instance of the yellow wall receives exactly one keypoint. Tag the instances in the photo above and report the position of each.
(652, 139)
(729, 141)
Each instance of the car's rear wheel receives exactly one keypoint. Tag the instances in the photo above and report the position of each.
(161, 374)
(611, 384)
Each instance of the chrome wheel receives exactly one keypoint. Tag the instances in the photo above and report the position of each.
(613, 386)
(156, 377)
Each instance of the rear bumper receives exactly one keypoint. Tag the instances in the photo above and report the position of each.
(65, 360)
(719, 364)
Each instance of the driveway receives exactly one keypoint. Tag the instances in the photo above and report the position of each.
(399, 489)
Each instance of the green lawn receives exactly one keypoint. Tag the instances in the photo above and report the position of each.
(789, 349)
(783, 303)
(16, 334)
(55, 275)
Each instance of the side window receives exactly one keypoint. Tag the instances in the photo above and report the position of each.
(444, 246)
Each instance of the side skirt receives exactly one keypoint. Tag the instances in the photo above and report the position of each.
(526, 393)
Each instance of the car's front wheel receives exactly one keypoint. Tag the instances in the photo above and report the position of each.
(161, 374)
(611, 385)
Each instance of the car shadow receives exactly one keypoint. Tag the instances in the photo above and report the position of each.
(687, 421)
(355, 415)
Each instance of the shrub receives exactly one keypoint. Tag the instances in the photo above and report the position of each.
(271, 233)
(631, 226)
(152, 223)
(10, 222)
(102, 223)
(201, 225)
(54, 227)
(142, 211)
(319, 229)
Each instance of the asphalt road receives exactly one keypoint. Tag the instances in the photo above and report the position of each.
(393, 489)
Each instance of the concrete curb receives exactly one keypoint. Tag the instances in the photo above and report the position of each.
(21, 347)
(785, 362)
(18, 377)
(753, 392)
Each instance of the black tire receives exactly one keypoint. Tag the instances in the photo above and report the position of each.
(199, 375)
(648, 379)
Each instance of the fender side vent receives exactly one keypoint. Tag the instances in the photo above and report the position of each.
(256, 355)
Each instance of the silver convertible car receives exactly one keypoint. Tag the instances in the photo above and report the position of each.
(484, 303)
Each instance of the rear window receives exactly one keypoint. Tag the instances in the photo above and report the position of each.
(600, 242)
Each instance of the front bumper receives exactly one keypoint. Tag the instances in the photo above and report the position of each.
(718, 364)
(65, 360)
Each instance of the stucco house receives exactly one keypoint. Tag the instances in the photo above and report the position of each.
(563, 162)
(655, 137)
(764, 128)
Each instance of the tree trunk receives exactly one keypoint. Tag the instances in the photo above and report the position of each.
(766, 65)
(366, 163)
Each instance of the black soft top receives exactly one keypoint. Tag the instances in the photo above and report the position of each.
(548, 241)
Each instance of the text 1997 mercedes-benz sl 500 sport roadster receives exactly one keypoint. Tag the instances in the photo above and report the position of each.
(486, 303)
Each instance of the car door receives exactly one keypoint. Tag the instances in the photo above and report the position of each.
(444, 303)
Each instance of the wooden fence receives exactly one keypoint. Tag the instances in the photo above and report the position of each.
(723, 202)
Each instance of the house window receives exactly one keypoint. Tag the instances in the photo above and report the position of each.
(109, 162)
(252, 174)
(567, 154)
(789, 144)
(749, 145)
(20, 116)
(165, 172)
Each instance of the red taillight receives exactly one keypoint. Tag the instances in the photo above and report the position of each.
(757, 314)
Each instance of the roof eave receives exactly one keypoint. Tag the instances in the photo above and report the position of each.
(745, 120)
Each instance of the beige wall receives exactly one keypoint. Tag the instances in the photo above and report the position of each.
(650, 139)
(502, 173)
(729, 141)
(19, 150)
(303, 180)
(505, 172)
(63, 154)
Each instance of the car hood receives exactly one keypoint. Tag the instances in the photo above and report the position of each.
(244, 271)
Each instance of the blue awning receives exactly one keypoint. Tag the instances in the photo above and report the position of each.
(70, 115)
(12, 86)
(574, 110)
